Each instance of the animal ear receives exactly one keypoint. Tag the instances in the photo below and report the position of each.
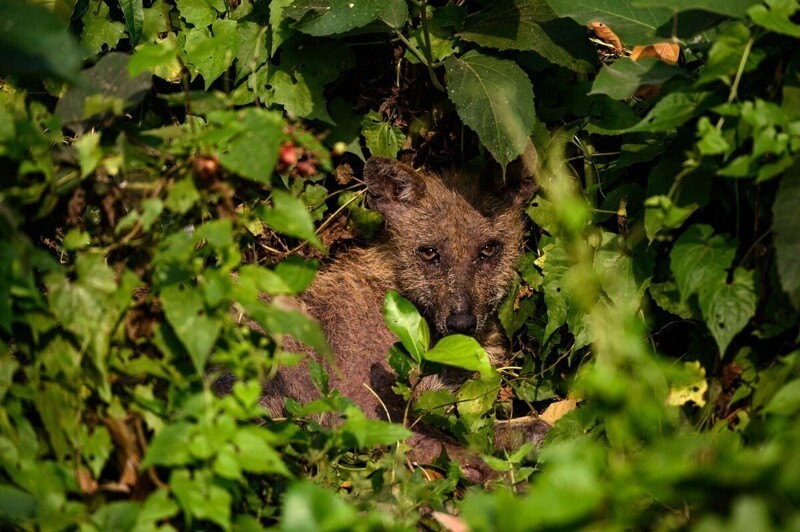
(520, 181)
(392, 184)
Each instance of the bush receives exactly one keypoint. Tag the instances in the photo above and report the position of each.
(154, 150)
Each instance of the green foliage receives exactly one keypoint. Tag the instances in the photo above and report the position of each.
(167, 165)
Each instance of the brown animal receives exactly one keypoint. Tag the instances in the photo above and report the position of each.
(450, 246)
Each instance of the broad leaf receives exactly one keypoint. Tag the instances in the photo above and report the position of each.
(700, 259)
(404, 320)
(727, 307)
(531, 25)
(777, 15)
(34, 41)
(633, 25)
(786, 228)
(662, 215)
(212, 55)
(382, 137)
(308, 506)
(494, 97)
(624, 77)
(99, 30)
(729, 8)
(462, 352)
(133, 11)
(290, 216)
(252, 152)
(330, 17)
(186, 313)
(365, 433)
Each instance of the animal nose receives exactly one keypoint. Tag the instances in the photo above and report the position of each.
(463, 323)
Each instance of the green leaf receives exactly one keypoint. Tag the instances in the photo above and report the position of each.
(99, 30)
(729, 8)
(186, 313)
(477, 397)
(674, 110)
(89, 152)
(624, 275)
(661, 215)
(156, 58)
(726, 54)
(16, 504)
(212, 55)
(462, 352)
(330, 17)
(786, 401)
(133, 11)
(366, 433)
(531, 25)
(300, 93)
(624, 77)
(382, 137)
(786, 230)
(198, 13)
(700, 259)
(633, 25)
(404, 320)
(777, 15)
(290, 216)
(278, 321)
(494, 97)
(169, 446)
(35, 41)
(667, 297)
(201, 497)
(252, 48)
(182, 196)
(255, 454)
(63, 8)
(308, 507)
(252, 151)
(727, 307)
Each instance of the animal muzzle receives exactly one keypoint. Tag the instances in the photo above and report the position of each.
(462, 323)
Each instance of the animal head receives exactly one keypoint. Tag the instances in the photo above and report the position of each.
(455, 238)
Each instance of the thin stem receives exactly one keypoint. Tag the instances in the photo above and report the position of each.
(414, 50)
(738, 78)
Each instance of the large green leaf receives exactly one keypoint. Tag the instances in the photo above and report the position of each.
(365, 433)
(729, 8)
(290, 216)
(624, 77)
(404, 320)
(531, 25)
(633, 25)
(777, 15)
(34, 41)
(300, 93)
(382, 137)
(329, 17)
(727, 307)
(212, 55)
(462, 352)
(99, 30)
(133, 11)
(786, 229)
(62, 8)
(308, 506)
(186, 313)
(494, 97)
(700, 259)
(624, 275)
(252, 151)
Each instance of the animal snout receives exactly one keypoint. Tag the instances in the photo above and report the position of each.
(462, 322)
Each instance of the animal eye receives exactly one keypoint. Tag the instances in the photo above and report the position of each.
(488, 251)
(429, 254)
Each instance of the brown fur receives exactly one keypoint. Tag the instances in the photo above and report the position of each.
(457, 215)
